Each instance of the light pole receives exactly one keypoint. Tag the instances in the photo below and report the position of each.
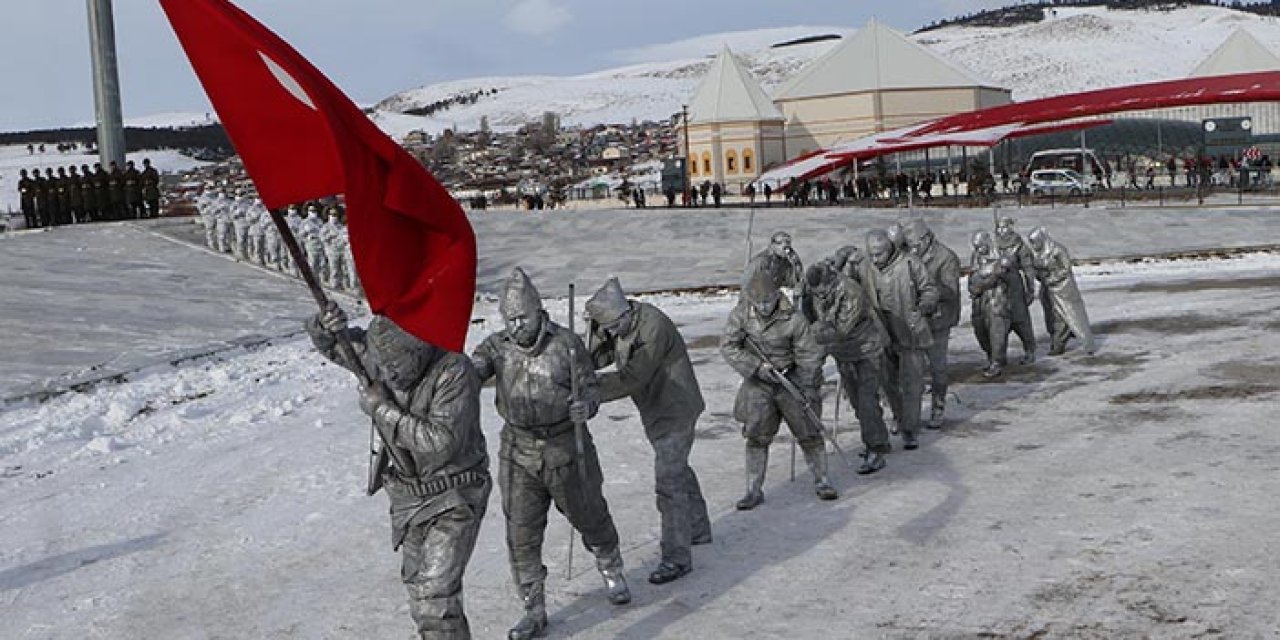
(106, 83)
(688, 168)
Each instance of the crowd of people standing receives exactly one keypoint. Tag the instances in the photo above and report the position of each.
(75, 195)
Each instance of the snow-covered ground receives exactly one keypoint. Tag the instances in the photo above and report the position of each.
(15, 158)
(1124, 494)
(1074, 49)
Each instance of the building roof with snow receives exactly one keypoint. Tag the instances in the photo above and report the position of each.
(1239, 53)
(729, 93)
(875, 58)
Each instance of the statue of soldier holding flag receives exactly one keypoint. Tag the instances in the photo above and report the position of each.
(429, 400)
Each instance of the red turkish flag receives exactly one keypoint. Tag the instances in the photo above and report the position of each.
(300, 138)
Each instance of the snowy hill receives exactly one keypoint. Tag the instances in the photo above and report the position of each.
(659, 80)
(1074, 49)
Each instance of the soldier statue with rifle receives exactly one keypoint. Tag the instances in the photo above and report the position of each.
(772, 347)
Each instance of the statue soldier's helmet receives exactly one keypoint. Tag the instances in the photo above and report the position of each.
(761, 287)
(608, 304)
(1038, 237)
(821, 276)
(520, 297)
(917, 232)
(402, 358)
(895, 234)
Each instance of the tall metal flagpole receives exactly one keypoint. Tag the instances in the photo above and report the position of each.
(106, 83)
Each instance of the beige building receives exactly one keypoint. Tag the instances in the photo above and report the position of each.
(734, 129)
(1239, 53)
(877, 80)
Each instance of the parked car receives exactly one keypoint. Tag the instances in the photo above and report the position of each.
(1058, 182)
(1096, 171)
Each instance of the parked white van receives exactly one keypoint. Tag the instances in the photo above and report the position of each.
(1058, 182)
(1082, 161)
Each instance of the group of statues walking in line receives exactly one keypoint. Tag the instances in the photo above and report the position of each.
(884, 312)
(242, 226)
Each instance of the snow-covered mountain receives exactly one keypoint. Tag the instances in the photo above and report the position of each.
(1072, 49)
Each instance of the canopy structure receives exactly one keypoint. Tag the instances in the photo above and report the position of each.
(987, 127)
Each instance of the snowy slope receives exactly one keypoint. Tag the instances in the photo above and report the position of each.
(1076, 49)
(1094, 47)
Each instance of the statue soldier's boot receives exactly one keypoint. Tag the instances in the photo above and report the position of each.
(534, 622)
(939, 408)
(816, 456)
(615, 582)
(757, 463)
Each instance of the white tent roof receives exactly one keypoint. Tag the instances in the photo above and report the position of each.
(728, 93)
(875, 58)
(1240, 53)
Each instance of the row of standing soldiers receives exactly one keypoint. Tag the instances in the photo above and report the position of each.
(241, 226)
(72, 195)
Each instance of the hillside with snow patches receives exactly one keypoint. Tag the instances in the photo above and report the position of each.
(1075, 49)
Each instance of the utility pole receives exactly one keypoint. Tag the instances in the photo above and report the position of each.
(688, 168)
(106, 83)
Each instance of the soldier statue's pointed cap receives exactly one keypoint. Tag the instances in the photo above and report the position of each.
(609, 303)
(387, 337)
(761, 286)
(520, 296)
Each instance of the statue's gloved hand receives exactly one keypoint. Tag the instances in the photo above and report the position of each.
(374, 396)
(579, 411)
(824, 332)
(333, 319)
(769, 373)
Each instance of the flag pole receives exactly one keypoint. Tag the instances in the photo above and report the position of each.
(378, 455)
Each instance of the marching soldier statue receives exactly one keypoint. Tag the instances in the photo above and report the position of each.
(653, 369)
(770, 345)
(989, 287)
(847, 327)
(1064, 311)
(905, 297)
(429, 398)
(943, 267)
(540, 461)
(1021, 289)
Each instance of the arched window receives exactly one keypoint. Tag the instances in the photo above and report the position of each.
(693, 167)
(748, 161)
(706, 162)
(731, 162)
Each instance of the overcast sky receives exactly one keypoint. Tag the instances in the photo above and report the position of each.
(374, 48)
